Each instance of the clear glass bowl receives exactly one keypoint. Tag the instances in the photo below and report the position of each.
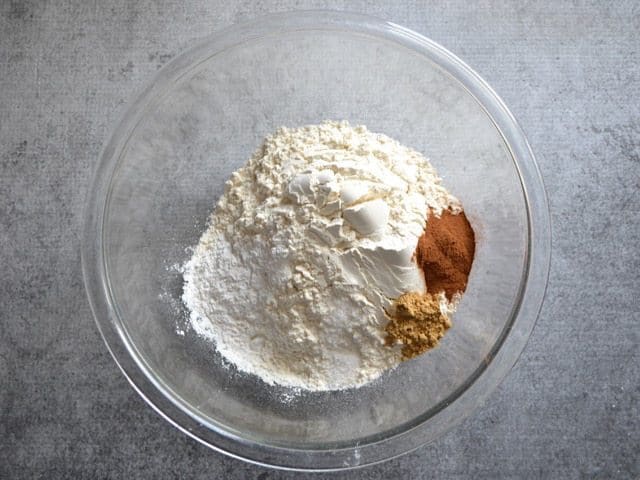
(200, 119)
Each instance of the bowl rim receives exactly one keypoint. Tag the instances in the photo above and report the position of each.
(506, 351)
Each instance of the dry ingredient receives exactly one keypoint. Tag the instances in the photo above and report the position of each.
(445, 252)
(308, 249)
(417, 322)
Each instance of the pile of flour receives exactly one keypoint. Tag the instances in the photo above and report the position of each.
(311, 241)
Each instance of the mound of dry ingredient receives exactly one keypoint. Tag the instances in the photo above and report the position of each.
(334, 254)
(445, 254)
(417, 323)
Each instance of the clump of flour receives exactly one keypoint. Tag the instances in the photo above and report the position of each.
(310, 243)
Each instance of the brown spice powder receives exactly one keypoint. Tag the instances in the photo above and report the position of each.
(445, 252)
(417, 323)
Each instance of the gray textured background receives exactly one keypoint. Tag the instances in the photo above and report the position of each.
(569, 72)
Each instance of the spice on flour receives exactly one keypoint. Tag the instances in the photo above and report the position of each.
(417, 322)
(445, 252)
(312, 243)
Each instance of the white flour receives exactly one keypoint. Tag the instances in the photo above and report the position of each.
(311, 241)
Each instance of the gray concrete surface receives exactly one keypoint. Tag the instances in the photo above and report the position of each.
(569, 72)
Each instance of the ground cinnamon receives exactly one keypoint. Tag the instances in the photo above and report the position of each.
(445, 252)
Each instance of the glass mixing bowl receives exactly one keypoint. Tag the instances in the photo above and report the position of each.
(200, 119)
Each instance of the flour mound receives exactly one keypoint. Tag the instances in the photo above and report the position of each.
(311, 241)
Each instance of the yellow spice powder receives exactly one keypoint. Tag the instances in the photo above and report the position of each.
(417, 323)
